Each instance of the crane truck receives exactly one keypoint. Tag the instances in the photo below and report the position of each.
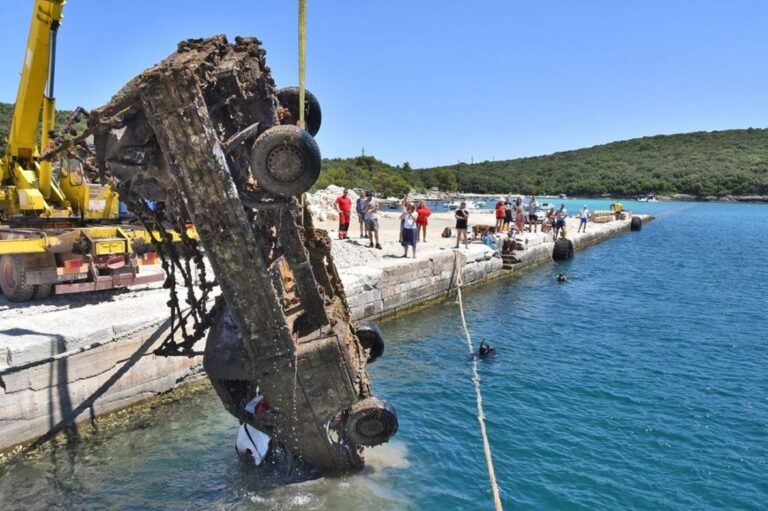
(57, 235)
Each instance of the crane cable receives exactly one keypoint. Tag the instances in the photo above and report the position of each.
(302, 59)
(302, 68)
(476, 381)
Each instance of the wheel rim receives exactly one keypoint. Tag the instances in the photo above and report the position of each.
(371, 427)
(286, 163)
(9, 277)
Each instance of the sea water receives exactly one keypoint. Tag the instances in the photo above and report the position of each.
(640, 384)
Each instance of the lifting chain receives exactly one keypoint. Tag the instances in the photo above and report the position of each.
(181, 259)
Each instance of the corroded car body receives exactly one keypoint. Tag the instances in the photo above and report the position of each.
(201, 131)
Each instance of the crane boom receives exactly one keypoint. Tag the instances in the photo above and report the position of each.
(36, 72)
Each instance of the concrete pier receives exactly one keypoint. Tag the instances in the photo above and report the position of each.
(69, 359)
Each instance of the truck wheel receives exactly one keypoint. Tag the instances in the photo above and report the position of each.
(371, 421)
(43, 291)
(288, 97)
(371, 339)
(563, 250)
(285, 160)
(636, 224)
(13, 278)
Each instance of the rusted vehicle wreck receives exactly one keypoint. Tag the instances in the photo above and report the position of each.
(205, 132)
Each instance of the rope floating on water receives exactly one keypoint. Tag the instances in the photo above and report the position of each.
(478, 394)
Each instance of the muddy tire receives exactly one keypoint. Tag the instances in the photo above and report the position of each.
(43, 291)
(288, 97)
(371, 422)
(636, 224)
(563, 250)
(371, 339)
(13, 279)
(285, 160)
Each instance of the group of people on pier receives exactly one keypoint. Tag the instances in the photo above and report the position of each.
(512, 218)
(414, 219)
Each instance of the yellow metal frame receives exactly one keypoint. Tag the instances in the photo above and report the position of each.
(40, 241)
(34, 190)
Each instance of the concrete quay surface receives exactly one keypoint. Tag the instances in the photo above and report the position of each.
(69, 359)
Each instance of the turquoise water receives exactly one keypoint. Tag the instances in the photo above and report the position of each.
(641, 384)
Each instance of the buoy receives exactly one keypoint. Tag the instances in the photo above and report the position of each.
(563, 250)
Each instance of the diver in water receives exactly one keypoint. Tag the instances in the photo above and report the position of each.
(561, 278)
(485, 349)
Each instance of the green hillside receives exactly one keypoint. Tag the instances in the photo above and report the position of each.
(6, 115)
(732, 162)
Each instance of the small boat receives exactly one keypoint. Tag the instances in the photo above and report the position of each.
(470, 204)
(651, 198)
(562, 196)
(391, 202)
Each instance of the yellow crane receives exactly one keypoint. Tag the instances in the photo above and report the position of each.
(56, 234)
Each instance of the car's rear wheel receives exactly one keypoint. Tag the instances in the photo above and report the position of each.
(285, 160)
(371, 421)
(288, 97)
(371, 339)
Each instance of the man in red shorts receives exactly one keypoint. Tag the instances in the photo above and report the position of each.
(344, 206)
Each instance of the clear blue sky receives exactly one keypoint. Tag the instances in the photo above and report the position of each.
(432, 82)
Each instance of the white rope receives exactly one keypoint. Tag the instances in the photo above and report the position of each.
(476, 381)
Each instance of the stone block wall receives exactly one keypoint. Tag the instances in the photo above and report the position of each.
(41, 397)
(376, 292)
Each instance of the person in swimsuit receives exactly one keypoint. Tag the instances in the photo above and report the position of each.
(519, 215)
(462, 218)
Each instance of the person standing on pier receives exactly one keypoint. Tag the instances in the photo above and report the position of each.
(344, 207)
(360, 209)
(422, 218)
(562, 214)
(408, 235)
(462, 219)
(371, 209)
(533, 215)
(618, 208)
(583, 219)
(499, 214)
(519, 215)
(508, 213)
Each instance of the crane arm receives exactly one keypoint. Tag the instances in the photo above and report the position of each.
(36, 84)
